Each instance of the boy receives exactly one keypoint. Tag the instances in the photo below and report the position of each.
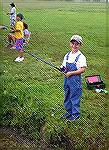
(12, 15)
(18, 34)
(74, 64)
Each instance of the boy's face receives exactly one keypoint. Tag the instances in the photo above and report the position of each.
(18, 18)
(74, 46)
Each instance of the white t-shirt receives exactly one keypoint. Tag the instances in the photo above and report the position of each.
(13, 16)
(72, 56)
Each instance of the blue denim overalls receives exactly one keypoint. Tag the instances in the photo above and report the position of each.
(72, 90)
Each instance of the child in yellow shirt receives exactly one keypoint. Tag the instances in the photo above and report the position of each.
(18, 34)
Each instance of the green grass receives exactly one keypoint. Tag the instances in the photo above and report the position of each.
(32, 91)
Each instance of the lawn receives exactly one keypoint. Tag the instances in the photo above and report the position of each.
(32, 92)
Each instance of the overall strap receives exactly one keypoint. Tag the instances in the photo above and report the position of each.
(77, 58)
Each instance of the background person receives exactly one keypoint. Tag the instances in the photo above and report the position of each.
(12, 39)
(18, 34)
(74, 64)
(12, 15)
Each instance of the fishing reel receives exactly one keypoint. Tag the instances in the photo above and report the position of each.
(63, 69)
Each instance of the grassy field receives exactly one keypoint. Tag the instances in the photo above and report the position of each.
(32, 92)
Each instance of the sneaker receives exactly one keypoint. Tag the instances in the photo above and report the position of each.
(21, 59)
(66, 115)
(72, 119)
(17, 59)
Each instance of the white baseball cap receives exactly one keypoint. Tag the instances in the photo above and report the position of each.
(77, 38)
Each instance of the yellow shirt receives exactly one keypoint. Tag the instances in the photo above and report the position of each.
(19, 26)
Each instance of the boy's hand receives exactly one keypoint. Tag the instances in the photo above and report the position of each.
(68, 74)
(76, 72)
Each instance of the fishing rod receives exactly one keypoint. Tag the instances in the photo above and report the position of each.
(42, 60)
(61, 69)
